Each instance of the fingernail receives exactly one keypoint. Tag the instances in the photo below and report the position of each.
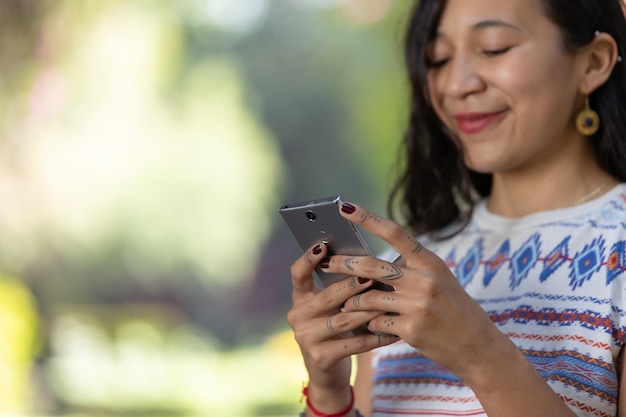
(325, 263)
(348, 208)
(363, 281)
(317, 249)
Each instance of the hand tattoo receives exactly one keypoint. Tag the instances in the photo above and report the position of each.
(348, 263)
(367, 215)
(417, 245)
(392, 271)
(329, 326)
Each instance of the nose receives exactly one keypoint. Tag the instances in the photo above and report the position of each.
(462, 77)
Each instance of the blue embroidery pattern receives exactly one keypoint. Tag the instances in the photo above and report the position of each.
(582, 372)
(583, 265)
(555, 259)
(617, 261)
(470, 264)
(586, 263)
(495, 262)
(591, 375)
(524, 260)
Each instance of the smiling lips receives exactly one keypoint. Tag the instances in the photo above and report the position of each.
(470, 123)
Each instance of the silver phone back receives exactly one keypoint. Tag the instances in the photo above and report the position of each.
(319, 220)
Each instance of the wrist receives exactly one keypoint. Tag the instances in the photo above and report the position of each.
(504, 365)
(323, 402)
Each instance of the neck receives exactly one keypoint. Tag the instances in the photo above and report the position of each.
(557, 185)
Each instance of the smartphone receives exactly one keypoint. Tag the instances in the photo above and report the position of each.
(318, 221)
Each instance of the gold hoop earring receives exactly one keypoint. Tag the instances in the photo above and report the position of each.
(587, 121)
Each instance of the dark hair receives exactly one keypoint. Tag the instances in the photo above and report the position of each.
(434, 187)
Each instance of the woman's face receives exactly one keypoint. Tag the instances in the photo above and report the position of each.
(501, 81)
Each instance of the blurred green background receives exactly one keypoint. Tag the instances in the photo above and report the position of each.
(146, 147)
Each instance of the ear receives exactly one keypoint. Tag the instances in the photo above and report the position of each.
(600, 57)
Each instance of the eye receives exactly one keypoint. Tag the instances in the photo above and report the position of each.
(496, 52)
(438, 63)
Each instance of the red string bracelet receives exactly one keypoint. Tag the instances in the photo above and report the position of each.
(305, 392)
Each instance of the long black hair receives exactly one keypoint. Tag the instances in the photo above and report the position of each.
(435, 188)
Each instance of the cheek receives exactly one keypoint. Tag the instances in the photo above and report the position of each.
(527, 76)
(436, 97)
(431, 83)
(515, 78)
(539, 92)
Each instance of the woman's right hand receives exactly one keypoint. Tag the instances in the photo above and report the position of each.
(323, 333)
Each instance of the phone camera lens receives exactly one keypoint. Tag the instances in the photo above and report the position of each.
(311, 216)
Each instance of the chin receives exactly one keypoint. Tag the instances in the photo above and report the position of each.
(489, 163)
(482, 166)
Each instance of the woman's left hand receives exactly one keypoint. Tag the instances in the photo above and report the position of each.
(433, 312)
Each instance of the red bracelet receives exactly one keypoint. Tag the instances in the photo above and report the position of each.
(305, 392)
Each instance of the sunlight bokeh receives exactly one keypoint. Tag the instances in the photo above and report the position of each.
(185, 180)
(19, 324)
(239, 17)
(146, 147)
(187, 373)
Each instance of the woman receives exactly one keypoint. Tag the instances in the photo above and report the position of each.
(511, 302)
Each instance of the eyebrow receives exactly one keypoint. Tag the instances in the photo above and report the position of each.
(494, 23)
(486, 24)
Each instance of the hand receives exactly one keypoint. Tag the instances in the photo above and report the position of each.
(320, 329)
(434, 313)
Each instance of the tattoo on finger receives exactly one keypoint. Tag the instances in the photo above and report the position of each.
(367, 215)
(417, 247)
(389, 322)
(329, 326)
(348, 262)
(392, 272)
(356, 301)
(350, 286)
(379, 342)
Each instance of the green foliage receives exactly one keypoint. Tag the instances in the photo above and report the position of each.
(171, 369)
(146, 151)
(19, 324)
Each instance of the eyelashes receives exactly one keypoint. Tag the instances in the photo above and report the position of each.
(496, 52)
(489, 53)
(437, 64)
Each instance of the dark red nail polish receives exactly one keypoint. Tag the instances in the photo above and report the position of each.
(325, 263)
(348, 208)
(317, 249)
(363, 281)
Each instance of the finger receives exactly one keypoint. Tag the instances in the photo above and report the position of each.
(390, 324)
(310, 311)
(329, 353)
(366, 342)
(364, 266)
(302, 270)
(330, 299)
(388, 301)
(342, 323)
(391, 232)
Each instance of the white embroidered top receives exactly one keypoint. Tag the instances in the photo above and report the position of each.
(554, 283)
